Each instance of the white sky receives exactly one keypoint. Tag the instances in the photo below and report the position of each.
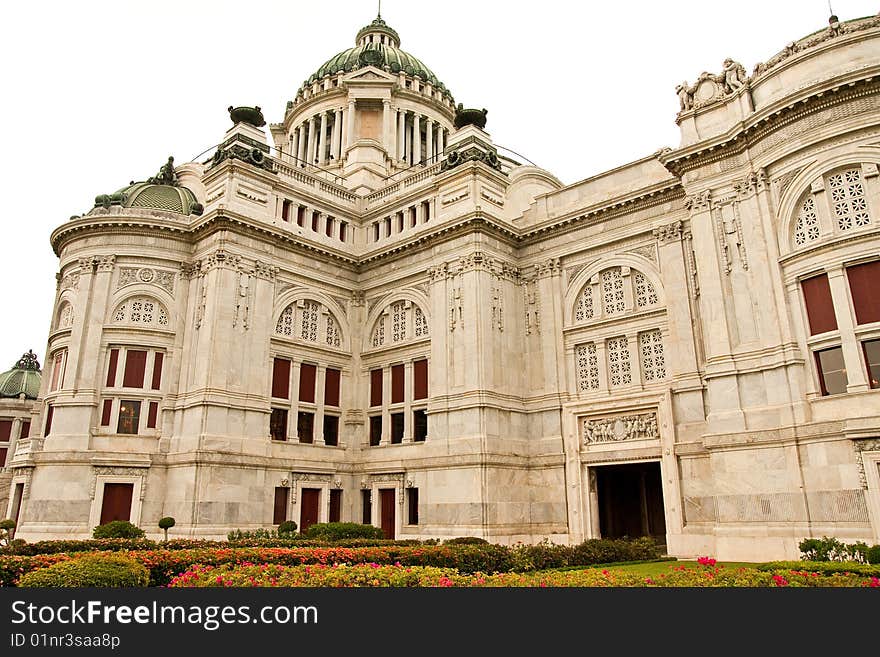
(98, 93)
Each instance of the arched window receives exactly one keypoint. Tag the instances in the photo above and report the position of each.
(401, 321)
(806, 228)
(615, 288)
(848, 199)
(584, 309)
(310, 321)
(143, 311)
(837, 204)
(646, 295)
(612, 291)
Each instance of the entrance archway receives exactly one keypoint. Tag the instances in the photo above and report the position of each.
(630, 500)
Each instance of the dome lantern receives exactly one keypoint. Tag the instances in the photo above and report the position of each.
(22, 379)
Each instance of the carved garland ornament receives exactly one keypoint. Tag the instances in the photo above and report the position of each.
(118, 471)
(620, 428)
(131, 275)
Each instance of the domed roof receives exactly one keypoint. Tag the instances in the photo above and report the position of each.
(24, 378)
(161, 192)
(376, 52)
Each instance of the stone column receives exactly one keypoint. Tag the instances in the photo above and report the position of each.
(336, 144)
(292, 432)
(440, 145)
(318, 430)
(429, 139)
(351, 119)
(310, 154)
(417, 140)
(407, 395)
(856, 376)
(322, 140)
(387, 143)
(301, 143)
(386, 400)
(401, 134)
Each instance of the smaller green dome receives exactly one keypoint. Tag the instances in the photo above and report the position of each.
(23, 378)
(160, 192)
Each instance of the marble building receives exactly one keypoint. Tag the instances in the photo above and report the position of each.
(369, 312)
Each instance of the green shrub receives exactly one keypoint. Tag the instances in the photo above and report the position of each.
(287, 529)
(118, 529)
(7, 531)
(873, 554)
(830, 549)
(337, 531)
(165, 524)
(465, 540)
(238, 535)
(823, 567)
(89, 570)
(603, 550)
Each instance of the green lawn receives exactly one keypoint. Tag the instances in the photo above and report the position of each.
(649, 568)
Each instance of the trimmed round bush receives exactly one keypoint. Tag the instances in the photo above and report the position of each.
(287, 528)
(118, 529)
(465, 540)
(337, 531)
(89, 570)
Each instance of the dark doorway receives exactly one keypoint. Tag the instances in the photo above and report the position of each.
(387, 520)
(116, 504)
(631, 501)
(16, 503)
(310, 499)
(335, 505)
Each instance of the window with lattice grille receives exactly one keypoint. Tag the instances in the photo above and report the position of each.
(587, 367)
(398, 322)
(421, 324)
(379, 332)
(584, 308)
(653, 361)
(806, 228)
(285, 322)
(142, 310)
(332, 337)
(646, 295)
(848, 199)
(612, 291)
(619, 371)
(309, 323)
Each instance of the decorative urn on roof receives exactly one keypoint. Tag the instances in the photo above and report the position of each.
(465, 117)
(250, 115)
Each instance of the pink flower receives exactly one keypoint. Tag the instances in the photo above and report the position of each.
(779, 580)
(706, 561)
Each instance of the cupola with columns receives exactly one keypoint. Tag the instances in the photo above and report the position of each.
(368, 112)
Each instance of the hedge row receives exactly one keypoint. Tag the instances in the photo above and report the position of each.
(825, 567)
(164, 564)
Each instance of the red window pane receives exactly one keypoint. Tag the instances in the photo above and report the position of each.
(158, 360)
(420, 379)
(281, 378)
(864, 285)
(331, 387)
(396, 384)
(135, 366)
(111, 370)
(152, 414)
(57, 373)
(50, 412)
(106, 410)
(25, 429)
(5, 430)
(307, 382)
(375, 387)
(820, 308)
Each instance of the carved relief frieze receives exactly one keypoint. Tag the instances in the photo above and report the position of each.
(87, 265)
(497, 298)
(265, 270)
(865, 445)
(642, 426)
(697, 202)
(148, 275)
(751, 184)
(190, 270)
(438, 273)
(648, 251)
(456, 308)
(106, 263)
(306, 477)
(243, 300)
(550, 267)
(691, 260)
(69, 281)
(118, 471)
(668, 233)
(729, 232)
(532, 307)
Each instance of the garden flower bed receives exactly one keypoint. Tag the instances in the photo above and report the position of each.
(399, 575)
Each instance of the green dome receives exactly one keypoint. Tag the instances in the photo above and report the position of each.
(160, 192)
(24, 378)
(376, 54)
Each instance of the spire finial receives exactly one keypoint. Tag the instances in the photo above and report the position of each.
(379, 13)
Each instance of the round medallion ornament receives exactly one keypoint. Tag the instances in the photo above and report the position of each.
(146, 275)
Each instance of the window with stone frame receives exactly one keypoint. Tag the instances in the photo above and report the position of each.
(619, 369)
(401, 321)
(653, 360)
(587, 367)
(142, 311)
(132, 391)
(309, 321)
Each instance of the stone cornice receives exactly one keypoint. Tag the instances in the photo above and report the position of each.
(769, 119)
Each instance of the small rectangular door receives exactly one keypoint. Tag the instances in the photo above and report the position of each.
(335, 505)
(387, 520)
(116, 504)
(310, 499)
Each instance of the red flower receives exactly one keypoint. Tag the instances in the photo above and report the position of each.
(779, 580)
